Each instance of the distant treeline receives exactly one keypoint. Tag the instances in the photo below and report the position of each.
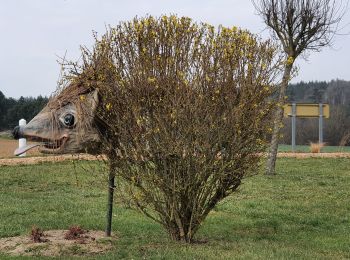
(337, 128)
(11, 110)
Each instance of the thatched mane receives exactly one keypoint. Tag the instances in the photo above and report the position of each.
(70, 94)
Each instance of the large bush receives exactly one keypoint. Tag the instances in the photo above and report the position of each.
(185, 109)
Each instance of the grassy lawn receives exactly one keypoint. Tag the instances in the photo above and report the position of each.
(5, 136)
(302, 213)
(306, 149)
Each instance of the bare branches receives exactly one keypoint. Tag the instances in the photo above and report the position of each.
(302, 25)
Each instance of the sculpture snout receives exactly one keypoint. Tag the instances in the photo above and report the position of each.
(17, 133)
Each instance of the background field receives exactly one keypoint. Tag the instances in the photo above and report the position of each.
(302, 213)
(306, 149)
(8, 146)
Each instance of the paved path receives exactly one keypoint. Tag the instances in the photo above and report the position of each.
(314, 155)
(41, 159)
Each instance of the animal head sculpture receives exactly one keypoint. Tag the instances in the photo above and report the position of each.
(66, 125)
(149, 80)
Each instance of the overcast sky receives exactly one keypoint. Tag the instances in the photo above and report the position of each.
(35, 33)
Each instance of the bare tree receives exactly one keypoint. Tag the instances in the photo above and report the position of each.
(300, 26)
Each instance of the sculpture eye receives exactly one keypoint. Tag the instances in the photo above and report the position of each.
(68, 120)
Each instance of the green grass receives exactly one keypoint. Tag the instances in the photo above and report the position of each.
(302, 213)
(306, 148)
(6, 137)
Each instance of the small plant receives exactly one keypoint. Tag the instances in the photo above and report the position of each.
(316, 147)
(74, 232)
(37, 235)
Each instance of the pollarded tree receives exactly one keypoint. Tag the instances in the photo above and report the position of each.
(185, 111)
(300, 26)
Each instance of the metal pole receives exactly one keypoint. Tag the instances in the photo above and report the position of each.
(294, 114)
(111, 188)
(22, 142)
(320, 124)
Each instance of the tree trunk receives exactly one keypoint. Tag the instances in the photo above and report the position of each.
(111, 187)
(272, 156)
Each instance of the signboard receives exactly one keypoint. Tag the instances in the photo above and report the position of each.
(295, 110)
(307, 110)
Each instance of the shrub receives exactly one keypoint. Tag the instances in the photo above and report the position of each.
(37, 235)
(74, 232)
(184, 109)
(316, 147)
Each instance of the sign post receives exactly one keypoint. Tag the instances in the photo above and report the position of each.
(320, 124)
(319, 111)
(22, 142)
(294, 120)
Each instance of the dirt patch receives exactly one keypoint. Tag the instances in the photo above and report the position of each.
(33, 156)
(93, 242)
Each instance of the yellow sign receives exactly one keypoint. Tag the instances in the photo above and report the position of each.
(306, 110)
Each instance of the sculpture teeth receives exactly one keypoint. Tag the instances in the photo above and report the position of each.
(21, 150)
(53, 144)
